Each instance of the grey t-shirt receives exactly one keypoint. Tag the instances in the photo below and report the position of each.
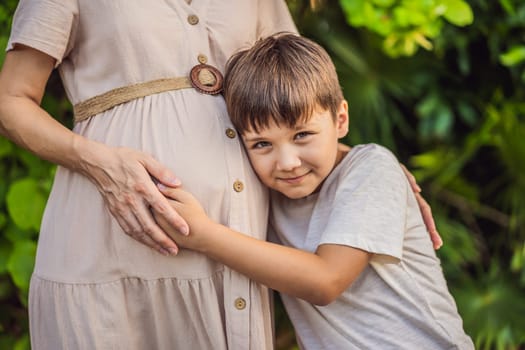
(401, 299)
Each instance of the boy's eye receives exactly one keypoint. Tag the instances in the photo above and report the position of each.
(302, 134)
(261, 144)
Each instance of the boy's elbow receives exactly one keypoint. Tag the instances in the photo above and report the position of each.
(324, 294)
(324, 299)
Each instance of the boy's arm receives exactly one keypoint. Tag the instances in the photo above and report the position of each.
(317, 278)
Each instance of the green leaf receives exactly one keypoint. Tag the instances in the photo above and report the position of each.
(492, 306)
(5, 253)
(14, 233)
(3, 220)
(3, 44)
(7, 341)
(23, 343)
(25, 203)
(37, 167)
(513, 57)
(508, 6)
(384, 3)
(21, 262)
(458, 12)
(6, 147)
(6, 291)
(467, 113)
(443, 121)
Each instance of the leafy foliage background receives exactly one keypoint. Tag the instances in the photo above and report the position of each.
(440, 82)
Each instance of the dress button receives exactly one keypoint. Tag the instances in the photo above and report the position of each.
(202, 58)
(231, 133)
(240, 304)
(238, 186)
(193, 19)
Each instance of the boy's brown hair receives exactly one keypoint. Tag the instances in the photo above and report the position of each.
(281, 79)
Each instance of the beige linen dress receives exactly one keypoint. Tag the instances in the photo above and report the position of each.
(94, 287)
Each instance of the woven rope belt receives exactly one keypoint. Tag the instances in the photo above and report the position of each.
(204, 78)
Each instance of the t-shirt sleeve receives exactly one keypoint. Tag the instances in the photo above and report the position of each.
(370, 206)
(45, 25)
(273, 17)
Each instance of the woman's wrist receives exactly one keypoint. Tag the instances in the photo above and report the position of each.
(88, 156)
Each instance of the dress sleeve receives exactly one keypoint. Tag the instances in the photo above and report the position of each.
(370, 205)
(45, 25)
(273, 17)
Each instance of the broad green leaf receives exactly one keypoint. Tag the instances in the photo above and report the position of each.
(408, 17)
(25, 203)
(21, 262)
(354, 10)
(513, 57)
(458, 12)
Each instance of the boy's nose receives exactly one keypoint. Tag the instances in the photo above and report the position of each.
(288, 160)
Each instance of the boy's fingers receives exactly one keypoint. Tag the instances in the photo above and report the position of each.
(176, 194)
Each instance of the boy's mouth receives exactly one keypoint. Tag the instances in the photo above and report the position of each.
(293, 179)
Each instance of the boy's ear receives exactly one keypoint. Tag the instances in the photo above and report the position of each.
(341, 120)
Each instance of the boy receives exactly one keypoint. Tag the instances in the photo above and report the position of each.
(356, 269)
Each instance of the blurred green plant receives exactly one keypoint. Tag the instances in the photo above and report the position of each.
(406, 25)
(25, 186)
(454, 112)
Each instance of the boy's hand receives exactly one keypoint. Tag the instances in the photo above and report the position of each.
(192, 212)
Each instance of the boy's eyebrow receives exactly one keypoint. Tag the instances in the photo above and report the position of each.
(253, 139)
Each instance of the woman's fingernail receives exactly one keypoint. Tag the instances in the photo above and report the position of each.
(185, 230)
(161, 187)
(173, 251)
(174, 181)
(164, 252)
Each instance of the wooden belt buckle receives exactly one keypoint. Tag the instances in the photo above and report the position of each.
(206, 79)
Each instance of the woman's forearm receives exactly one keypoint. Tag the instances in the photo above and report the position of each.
(26, 124)
(23, 79)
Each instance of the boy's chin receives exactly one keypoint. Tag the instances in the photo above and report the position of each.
(295, 194)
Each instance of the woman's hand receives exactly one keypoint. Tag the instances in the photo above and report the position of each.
(124, 177)
(426, 211)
